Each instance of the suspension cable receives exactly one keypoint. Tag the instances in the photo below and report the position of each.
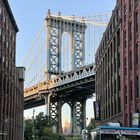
(29, 83)
(36, 56)
(33, 43)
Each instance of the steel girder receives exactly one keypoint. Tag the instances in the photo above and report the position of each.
(53, 50)
(78, 112)
(78, 50)
(55, 114)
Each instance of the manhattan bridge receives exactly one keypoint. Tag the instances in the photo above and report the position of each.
(60, 66)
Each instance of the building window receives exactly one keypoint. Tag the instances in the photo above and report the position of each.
(137, 86)
(130, 60)
(0, 31)
(13, 38)
(112, 109)
(125, 66)
(118, 15)
(131, 96)
(10, 31)
(3, 38)
(125, 12)
(119, 83)
(115, 107)
(118, 38)
(4, 18)
(0, 58)
(114, 87)
(114, 23)
(125, 94)
(7, 23)
(109, 111)
(125, 44)
(137, 54)
(118, 60)
(7, 44)
(119, 105)
(111, 50)
(124, 34)
(130, 31)
(6, 62)
(0, 11)
(3, 59)
(130, 5)
(114, 40)
(137, 22)
(110, 30)
(136, 2)
(114, 64)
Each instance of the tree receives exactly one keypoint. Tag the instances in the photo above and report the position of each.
(91, 125)
(41, 121)
(43, 129)
(28, 129)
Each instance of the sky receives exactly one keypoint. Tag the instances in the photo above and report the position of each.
(29, 15)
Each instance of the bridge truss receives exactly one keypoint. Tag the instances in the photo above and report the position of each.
(73, 88)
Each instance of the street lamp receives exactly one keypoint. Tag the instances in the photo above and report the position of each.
(33, 126)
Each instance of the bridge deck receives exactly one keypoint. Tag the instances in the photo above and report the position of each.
(78, 82)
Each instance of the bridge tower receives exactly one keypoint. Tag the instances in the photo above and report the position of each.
(56, 26)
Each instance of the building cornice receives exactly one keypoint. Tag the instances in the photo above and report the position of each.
(6, 3)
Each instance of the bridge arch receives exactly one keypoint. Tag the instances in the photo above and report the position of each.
(66, 121)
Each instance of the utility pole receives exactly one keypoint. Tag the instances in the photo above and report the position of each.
(33, 130)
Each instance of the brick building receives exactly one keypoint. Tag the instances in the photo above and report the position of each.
(117, 65)
(11, 78)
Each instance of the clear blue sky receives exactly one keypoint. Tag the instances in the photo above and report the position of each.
(29, 15)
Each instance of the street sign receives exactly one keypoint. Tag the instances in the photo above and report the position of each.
(97, 114)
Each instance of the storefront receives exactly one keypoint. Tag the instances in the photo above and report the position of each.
(115, 133)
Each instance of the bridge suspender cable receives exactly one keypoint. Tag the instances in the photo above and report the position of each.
(37, 55)
(37, 74)
(33, 43)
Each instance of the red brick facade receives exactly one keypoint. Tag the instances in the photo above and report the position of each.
(11, 86)
(130, 58)
(117, 66)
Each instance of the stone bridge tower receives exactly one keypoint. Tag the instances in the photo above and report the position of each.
(56, 26)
